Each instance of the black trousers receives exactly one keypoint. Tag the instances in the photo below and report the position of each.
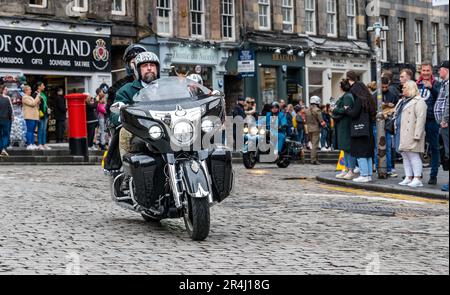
(91, 133)
(60, 130)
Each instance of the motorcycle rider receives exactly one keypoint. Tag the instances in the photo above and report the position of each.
(282, 125)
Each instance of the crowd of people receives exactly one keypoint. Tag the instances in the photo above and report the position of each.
(36, 112)
(416, 118)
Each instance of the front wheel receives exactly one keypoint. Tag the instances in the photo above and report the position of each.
(249, 160)
(197, 218)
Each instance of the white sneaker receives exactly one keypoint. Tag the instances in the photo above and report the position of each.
(416, 183)
(357, 170)
(31, 148)
(47, 148)
(350, 175)
(342, 175)
(324, 149)
(405, 182)
(363, 179)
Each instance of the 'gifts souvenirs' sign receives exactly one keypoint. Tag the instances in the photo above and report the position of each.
(54, 51)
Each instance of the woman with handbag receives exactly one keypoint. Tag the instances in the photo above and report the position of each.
(362, 137)
(30, 108)
(43, 117)
(410, 119)
(343, 124)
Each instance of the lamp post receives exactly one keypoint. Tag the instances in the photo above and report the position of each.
(381, 132)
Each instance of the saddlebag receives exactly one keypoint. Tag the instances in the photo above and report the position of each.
(148, 177)
(221, 169)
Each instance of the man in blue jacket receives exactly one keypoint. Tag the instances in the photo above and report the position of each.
(429, 90)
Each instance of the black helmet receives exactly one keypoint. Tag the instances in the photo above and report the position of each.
(131, 52)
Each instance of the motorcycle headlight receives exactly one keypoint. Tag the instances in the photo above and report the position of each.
(262, 132)
(156, 132)
(183, 132)
(254, 131)
(246, 130)
(207, 126)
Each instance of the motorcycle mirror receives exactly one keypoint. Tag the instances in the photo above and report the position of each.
(116, 107)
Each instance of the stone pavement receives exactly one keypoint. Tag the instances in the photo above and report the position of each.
(391, 185)
(58, 220)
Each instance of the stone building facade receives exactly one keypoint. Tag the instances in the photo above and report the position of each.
(418, 32)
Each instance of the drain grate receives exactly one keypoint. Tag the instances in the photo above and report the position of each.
(382, 211)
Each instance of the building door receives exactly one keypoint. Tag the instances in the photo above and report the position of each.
(234, 88)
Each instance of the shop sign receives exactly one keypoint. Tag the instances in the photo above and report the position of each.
(54, 51)
(246, 63)
(284, 57)
(186, 55)
(339, 63)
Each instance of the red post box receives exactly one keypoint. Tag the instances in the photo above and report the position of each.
(76, 103)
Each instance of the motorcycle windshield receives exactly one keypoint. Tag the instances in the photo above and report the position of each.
(173, 88)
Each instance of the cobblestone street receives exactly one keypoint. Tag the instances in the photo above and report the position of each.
(277, 222)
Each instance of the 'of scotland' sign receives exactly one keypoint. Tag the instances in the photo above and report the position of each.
(54, 51)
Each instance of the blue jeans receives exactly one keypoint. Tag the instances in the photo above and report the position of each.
(389, 151)
(350, 162)
(4, 133)
(432, 137)
(300, 135)
(31, 126)
(365, 165)
(324, 137)
(42, 131)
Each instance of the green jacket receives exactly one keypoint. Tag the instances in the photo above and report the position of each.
(126, 95)
(343, 125)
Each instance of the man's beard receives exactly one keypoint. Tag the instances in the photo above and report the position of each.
(149, 77)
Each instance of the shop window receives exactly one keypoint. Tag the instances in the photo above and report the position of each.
(165, 26)
(268, 85)
(186, 70)
(81, 5)
(315, 83)
(228, 28)
(38, 3)
(197, 18)
(119, 7)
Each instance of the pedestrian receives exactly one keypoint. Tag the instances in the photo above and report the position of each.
(290, 120)
(30, 108)
(300, 122)
(314, 122)
(6, 117)
(44, 112)
(390, 100)
(91, 119)
(405, 76)
(343, 126)
(441, 109)
(60, 115)
(429, 91)
(325, 130)
(250, 108)
(410, 120)
(363, 115)
(101, 111)
(266, 109)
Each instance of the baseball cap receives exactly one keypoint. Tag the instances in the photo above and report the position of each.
(445, 64)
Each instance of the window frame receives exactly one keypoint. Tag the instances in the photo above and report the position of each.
(202, 19)
(333, 15)
(418, 42)
(401, 40)
(122, 12)
(170, 20)
(232, 18)
(43, 5)
(351, 19)
(312, 11)
(290, 7)
(434, 44)
(384, 40)
(268, 5)
(446, 41)
(78, 8)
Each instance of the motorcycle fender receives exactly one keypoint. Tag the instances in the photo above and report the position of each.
(195, 179)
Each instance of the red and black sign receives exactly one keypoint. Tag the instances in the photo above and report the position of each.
(54, 51)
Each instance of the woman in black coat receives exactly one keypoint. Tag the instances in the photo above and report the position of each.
(362, 146)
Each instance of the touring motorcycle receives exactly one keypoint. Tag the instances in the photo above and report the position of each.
(173, 171)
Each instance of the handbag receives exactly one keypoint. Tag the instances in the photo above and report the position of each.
(361, 126)
(390, 125)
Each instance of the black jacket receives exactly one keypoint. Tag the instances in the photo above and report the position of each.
(60, 108)
(430, 96)
(91, 113)
(113, 91)
(6, 110)
(239, 111)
